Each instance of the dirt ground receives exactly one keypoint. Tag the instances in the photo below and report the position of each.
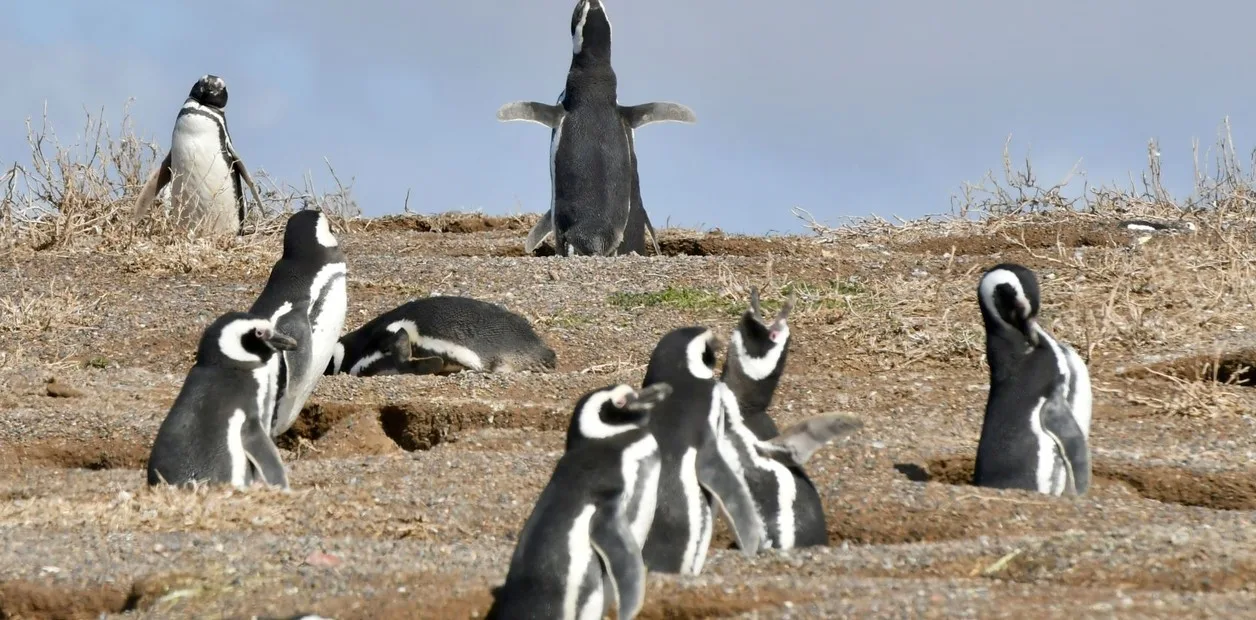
(407, 492)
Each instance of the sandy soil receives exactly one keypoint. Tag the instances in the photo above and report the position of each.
(408, 491)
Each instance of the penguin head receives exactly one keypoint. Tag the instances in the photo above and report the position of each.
(683, 352)
(1008, 295)
(616, 409)
(242, 340)
(758, 344)
(210, 90)
(590, 30)
(307, 232)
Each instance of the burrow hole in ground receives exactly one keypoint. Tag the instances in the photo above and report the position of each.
(420, 425)
(1233, 367)
(30, 599)
(1218, 490)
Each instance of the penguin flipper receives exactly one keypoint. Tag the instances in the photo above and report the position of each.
(733, 499)
(242, 174)
(148, 194)
(533, 112)
(621, 559)
(263, 455)
(1061, 426)
(657, 112)
(796, 444)
(540, 232)
(649, 233)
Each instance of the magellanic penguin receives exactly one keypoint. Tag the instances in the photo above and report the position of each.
(695, 474)
(1037, 424)
(580, 534)
(770, 461)
(306, 298)
(204, 171)
(440, 335)
(213, 432)
(595, 192)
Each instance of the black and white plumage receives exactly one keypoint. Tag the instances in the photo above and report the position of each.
(1036, 431)
(442, 334)
(213, 432)
(305, 296)
(695, 474)
(204, 171)
(595, 189)
(771, 462)
(578, 553)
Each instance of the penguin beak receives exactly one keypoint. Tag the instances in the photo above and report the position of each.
(1031, 331)
(647, 397)
(281, 342)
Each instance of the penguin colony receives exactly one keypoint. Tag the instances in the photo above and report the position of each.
(645, 469)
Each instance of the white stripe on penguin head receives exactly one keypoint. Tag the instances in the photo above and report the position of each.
(758, 368)
(577, 35)
(991, 281)
(693, 356)
(590, 421)
(229, 341)
(322, 232)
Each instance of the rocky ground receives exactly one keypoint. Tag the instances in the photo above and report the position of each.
(407, 492)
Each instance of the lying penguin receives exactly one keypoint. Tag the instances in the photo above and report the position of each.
(442, 335)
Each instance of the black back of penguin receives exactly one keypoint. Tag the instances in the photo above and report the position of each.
(638, 231)
(592, 158)
(1027, 408)
(496, 335)
(288, 298)
(691, 420)
(584, 504)
(225, 386)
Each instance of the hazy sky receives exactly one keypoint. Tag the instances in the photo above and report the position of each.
(842, 108)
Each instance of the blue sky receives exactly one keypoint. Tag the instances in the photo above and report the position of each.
(842, 108)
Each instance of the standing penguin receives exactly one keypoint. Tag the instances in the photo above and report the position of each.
(694, 475)
(1037, 424)
(580, 533)
(214, 430)
(593, 174)
(439, 335)
(771, 462)
(203, 169)
(305, 297)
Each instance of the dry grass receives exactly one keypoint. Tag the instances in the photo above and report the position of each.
(1104, 289)
(80, 196)
(60, 307)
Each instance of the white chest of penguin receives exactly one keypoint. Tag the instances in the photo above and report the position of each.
(199, 169)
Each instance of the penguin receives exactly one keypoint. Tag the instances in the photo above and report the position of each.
(639, 235)
(203, 169)
(1036, 431)
(214, 433)
(772, 462)
(305, 297)
(595, 191)
(577, 554)
(441, 335)
(694, 473)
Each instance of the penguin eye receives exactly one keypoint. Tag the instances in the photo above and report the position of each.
(261, 335)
